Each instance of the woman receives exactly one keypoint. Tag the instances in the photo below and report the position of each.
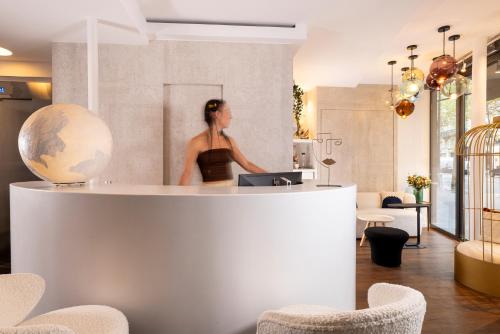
(213, 150)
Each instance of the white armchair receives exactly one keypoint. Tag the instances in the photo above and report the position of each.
(393, 309)
(19, 294)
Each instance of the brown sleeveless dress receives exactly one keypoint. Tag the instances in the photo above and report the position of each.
(215, 164)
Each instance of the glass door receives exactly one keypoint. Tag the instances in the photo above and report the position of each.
(443, 163)
(450, 119)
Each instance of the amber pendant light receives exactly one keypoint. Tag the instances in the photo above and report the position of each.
(445, 65)
(405, 108)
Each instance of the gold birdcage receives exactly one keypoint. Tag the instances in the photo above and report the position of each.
(477, 257)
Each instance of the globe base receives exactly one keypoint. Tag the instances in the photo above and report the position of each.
(70, 184)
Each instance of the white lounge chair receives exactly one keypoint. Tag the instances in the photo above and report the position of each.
(19, 294)
(394, 309)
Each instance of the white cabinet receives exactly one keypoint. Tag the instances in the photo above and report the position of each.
(307, 173)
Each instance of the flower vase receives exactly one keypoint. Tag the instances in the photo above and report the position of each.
(419, 195)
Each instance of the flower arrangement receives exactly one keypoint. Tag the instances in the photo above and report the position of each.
(418, 182)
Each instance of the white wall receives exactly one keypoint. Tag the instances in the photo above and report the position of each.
(413, 149)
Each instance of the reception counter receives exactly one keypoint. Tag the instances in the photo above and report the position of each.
(187, 259)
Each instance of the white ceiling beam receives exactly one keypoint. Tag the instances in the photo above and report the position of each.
(134, 12)
(228, 33)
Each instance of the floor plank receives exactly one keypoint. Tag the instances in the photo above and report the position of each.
(451, 307)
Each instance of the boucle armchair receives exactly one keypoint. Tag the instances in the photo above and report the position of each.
(19, 294)
(393, 309)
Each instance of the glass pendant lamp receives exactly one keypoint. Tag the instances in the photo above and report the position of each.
(411, 83)
(457, 85)
(416, 73)
(395, 97)
(445, 65)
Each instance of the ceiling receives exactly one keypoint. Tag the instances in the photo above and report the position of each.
(339, 42)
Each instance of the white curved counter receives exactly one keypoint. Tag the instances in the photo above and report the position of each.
(187, 259)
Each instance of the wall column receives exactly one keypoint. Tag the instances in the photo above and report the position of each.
(479, 77)
(92, 65)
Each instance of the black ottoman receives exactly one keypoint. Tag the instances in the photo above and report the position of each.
(386, 245)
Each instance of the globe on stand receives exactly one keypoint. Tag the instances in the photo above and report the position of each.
(65, 143)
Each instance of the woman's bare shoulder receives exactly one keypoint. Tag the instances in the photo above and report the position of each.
(199, 140)
(231, 140)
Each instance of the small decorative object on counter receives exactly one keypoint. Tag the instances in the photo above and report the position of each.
(303, 160)
(296, 161)
(418, 183)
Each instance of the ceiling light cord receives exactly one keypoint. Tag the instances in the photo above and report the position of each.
(444, 45)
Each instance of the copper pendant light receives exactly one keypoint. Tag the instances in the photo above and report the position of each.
(405, 108)
(445, 65)
(432, 83)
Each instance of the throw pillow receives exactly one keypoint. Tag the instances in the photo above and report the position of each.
(391, 198)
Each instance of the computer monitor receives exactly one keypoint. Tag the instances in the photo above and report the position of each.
(270, 179)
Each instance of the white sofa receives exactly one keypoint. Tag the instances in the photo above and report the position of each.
(405, 219)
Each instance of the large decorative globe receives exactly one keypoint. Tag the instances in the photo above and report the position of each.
(65, 143)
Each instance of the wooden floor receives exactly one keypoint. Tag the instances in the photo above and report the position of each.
(451, 307)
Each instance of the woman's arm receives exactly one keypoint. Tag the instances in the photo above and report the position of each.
(242, 161)
(191, 155)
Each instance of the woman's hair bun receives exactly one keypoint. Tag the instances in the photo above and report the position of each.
(212, 106)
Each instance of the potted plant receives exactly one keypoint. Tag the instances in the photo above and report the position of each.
(418, 183)
(298, 106)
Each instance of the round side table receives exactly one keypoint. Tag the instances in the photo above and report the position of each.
(371, 221)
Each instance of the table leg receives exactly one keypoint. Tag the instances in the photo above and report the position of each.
(417, 245)
(428, 218)
(363, 236)
(418, 226)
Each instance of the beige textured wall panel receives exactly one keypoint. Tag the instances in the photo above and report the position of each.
(69, 73)
(360, 117)
(183, 117)
(256, 80)
(130, 102)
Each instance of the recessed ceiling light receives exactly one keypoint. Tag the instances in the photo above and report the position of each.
(5, 52)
